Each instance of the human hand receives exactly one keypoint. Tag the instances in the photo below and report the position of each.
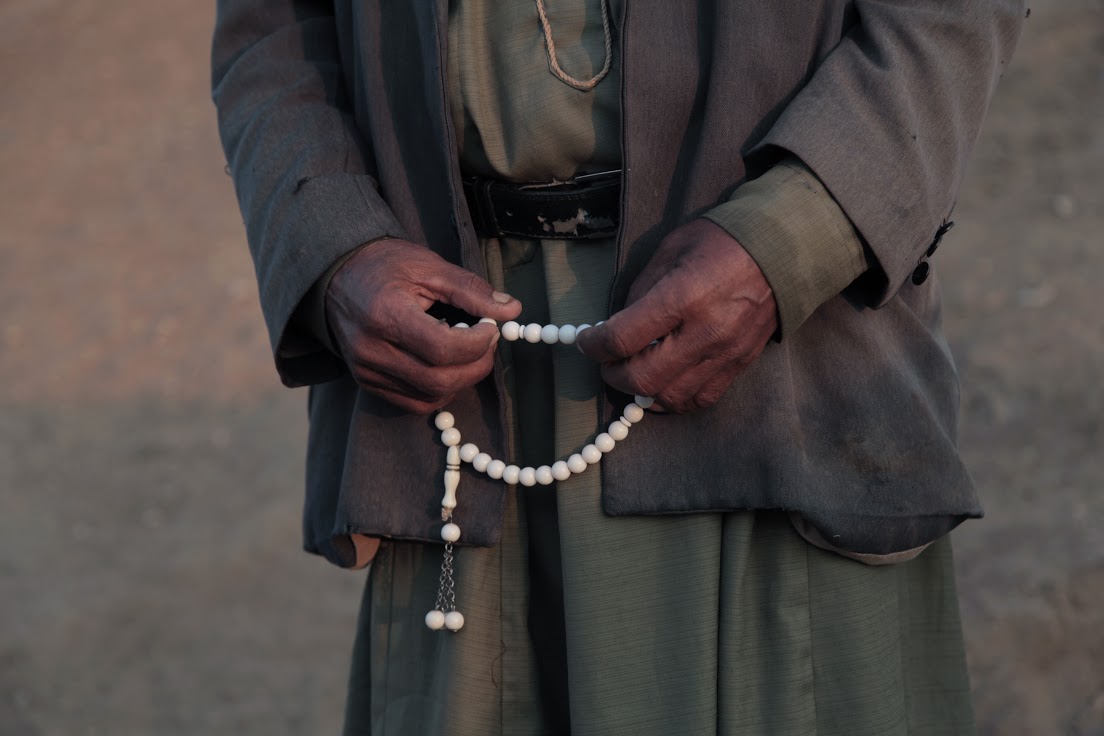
(376, 307)
(709, 306)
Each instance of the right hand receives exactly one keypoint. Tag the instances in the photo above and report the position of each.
(376, 307)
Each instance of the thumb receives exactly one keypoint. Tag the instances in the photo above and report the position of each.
(467, 291)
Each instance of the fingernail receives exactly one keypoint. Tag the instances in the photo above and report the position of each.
(502, 298)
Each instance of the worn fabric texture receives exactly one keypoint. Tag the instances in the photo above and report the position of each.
(336, 124)
(726, 624)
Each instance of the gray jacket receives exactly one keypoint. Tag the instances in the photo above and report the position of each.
(334, 119)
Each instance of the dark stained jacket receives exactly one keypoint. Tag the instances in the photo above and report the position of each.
(334, 119)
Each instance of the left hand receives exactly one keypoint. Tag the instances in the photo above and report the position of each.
(706, 301)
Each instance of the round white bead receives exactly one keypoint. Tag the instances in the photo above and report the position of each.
(591, 454)
(544, 475)
(618, 431)
(576, 463)
(604, 442)
(435, 620)
(528, 477)
(633, 413)
(567, 334)
(511, 330)
(450, 532)
(599, 323)
(481, 461)
(550, 334)
(461, 325)
(468, 451)
(444, 420)
(532, 332)
(454, 621)
(644, 401)
(495, 469)
(451, 436)
(580, 328)
(511, 474)
(487, 321)
(560, 470)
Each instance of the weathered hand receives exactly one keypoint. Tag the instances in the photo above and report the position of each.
(376, 306)
(706, 301)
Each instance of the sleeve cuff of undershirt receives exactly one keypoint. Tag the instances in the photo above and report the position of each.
(799, 237)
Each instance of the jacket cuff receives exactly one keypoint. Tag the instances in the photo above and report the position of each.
(797, 235)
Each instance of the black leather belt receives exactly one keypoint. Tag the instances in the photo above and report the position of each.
(588, 206)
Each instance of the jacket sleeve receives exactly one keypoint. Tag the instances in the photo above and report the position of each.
(301, 169)
(888, 120)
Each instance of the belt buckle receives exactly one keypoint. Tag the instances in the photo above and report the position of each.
(577, 182)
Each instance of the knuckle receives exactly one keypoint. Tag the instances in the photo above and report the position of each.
(437, 383)
(642, 383)
(473, 283)
(378, 315)
(708, 398)
(672, 402)
(436, 352)
(616, 343)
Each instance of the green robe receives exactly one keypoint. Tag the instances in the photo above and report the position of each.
(699, 624)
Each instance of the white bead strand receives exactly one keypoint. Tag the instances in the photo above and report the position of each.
(618, 431)
(591, 454)
(532, 333)
(435, 620)
(445, 615)
(454, 620)
(561, 470)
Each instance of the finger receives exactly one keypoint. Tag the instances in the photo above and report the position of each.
(655, 370)
(715, 388)
(466, 290)
(651, 371)
(378, 381)
(698, 387)
(425, 379)
(632, 329)
(437, 343)
(398, 393)
(414, 406)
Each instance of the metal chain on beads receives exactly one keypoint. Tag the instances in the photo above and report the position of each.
(446, 586)
(445, 615)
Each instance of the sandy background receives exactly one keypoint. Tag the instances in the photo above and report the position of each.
(150, 463)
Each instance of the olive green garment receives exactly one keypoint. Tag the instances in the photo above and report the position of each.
(701, 624)
(513, 119)
(697, 624)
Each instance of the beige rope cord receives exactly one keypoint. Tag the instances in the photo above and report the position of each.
(554, 63)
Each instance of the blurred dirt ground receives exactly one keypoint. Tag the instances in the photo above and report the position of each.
(150, 464)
